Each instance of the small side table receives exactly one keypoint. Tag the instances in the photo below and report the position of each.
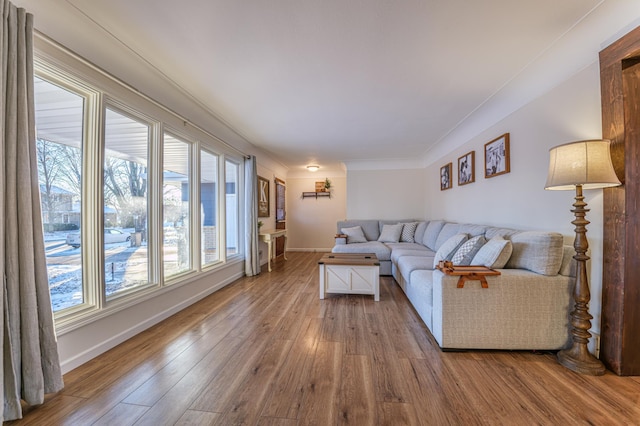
(269, 236)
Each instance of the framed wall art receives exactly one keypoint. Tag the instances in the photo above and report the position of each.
(445, 177)
(263, 197)
(467, 168)
(496, 157)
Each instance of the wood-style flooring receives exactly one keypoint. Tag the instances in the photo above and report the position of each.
(267, 351)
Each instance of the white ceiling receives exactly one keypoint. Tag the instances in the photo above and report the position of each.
(326, 81)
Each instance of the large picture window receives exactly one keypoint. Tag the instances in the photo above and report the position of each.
(232, 206)
(118, 197)
(208, 207)
(176, 187)
(59, 139)
(126, 254)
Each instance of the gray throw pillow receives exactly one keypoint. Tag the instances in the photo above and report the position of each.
(408, 232)
(494, 254)
(354, 235)
(468, 250)
(390, 233)
(446, 250)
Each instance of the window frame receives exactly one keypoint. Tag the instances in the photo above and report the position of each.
(220, 210)
(89, 154)
(100, 90)
(153, 278)
(194, 198)
(240, 207)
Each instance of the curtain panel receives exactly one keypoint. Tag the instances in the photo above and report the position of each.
(252, 254)
(30, 361)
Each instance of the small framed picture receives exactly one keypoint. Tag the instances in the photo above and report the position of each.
(445, 177)
(263, 197)
(467, 168)
(496, 157)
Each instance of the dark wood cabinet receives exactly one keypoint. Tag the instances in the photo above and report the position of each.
(280, 240)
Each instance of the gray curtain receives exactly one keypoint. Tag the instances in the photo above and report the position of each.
(252, 255)
(30, 363)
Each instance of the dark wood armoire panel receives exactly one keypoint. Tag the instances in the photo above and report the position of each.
(620, 91)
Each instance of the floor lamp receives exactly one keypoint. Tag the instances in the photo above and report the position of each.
(581, 165)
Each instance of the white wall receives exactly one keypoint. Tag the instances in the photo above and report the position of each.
(386, 194)
(569, 112)
(311, 222)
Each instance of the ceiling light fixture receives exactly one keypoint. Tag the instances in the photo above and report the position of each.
(313, 168)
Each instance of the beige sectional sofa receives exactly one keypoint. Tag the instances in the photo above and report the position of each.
(526, 307)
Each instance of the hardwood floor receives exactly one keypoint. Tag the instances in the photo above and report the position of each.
(267, 351)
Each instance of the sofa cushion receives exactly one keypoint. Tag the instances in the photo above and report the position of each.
(468, 250)
(419, 235)
(569, 264)
(370, 228)
(431, 233)
(494, 254)
(408, 264)
(354, 235)
(503, 232)
(390, 233)
(420, 292)
(472, 230)
(380, 249)
(447, 231)
(398, 250)
(449, 248)
(535, 251)
(408, 232)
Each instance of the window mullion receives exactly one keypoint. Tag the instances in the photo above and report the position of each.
(92, 204)
(196, 227)
(155, 214)
(222, 209)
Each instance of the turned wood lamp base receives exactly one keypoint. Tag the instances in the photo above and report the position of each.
(580, 362)
(577, 357)
(576, 165)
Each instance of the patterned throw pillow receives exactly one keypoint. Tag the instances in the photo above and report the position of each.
(354, 235)
(468, 250)
(408, 232)
(390, 233)
(495, 254)
(449, 247)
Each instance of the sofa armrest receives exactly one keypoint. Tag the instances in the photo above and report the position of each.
(341, 239)
(525, 309)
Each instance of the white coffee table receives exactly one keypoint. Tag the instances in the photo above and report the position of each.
(350, 273)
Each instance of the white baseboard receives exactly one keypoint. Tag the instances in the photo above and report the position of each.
(312, 250)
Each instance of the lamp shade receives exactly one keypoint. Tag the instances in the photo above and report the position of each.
(586, 163)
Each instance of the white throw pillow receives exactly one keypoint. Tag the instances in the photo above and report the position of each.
(468, 250)
(449, 247)
(354, 235)
(390, 233)
(494, 254)
(408, 232)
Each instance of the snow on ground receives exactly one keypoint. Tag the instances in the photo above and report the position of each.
(65, 270)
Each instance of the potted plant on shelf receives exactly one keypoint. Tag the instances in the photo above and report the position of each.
(327, 185)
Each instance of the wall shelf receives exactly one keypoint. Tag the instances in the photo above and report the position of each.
(316, 194)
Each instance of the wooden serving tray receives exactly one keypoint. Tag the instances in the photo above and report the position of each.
(469, 273)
